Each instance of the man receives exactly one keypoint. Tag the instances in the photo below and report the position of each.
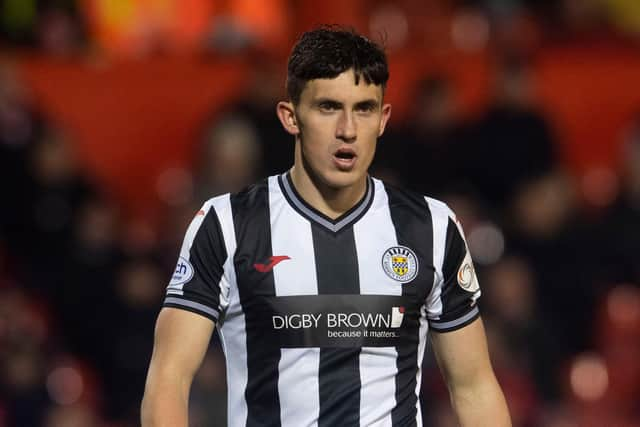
(323, 282)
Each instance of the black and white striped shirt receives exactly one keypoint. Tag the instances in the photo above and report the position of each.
(324, 322)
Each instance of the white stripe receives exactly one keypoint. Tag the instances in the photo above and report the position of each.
(440, 214)
(186, 303)
(378, 378)
(187, 242)
(453, 323)
(222, 206)
(374, 233)
(298, 387)
(291, 236)
(232, 332)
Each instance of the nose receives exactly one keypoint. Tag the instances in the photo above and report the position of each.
(346, 129)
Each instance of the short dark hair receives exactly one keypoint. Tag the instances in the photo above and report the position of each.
(328, 51)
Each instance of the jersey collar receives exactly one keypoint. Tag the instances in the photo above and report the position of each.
(312, 214)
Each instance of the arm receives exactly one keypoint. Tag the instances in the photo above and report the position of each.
(464, 361)
(181, 340)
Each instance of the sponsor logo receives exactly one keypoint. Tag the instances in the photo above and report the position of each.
(296, 321)
(348, 324)
(467, 278)
(273, 261)
(400, 263)
(183, 272)
(347, 321)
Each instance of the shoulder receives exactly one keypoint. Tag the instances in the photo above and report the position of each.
(244, 198)
(412, 201)
(218, 203)
(252, 195)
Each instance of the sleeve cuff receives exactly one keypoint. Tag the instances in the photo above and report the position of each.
(458, 323)
(194, 307)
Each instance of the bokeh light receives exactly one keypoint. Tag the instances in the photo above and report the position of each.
(623, 307)
(486, 243)
(589, 377)
(470, 31)
(65, 385)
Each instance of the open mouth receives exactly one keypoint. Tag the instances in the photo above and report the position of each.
(344, 158)
(346, 155)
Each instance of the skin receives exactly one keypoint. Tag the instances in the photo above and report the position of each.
(181, 340)
(334, 114)
(331, 115)
(475, 394)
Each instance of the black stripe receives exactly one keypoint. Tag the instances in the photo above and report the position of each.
(339, 375)
(207, 256)
(456, 301)
(455, 251)
(253, 235)
(414, 229)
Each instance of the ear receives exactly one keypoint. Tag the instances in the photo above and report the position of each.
(287, 115)
(386, 113)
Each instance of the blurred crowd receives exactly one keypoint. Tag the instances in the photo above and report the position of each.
(80, 285)
(144, 27)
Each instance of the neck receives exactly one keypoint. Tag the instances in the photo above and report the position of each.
(331, 201)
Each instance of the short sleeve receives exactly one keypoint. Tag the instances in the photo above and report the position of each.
(198, 283)
(453, 301)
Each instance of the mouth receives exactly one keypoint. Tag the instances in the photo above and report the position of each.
(344, 158)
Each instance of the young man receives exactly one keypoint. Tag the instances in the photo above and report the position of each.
(323, 282)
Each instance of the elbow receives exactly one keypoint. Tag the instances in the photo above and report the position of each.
(481, 404)
(151, 409)
(164, 405)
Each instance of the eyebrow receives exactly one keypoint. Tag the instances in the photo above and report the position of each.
(364, 104)
(328, 101)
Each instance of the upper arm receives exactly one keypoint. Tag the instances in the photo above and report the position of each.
(457, 333)
(181, 340)
(462, 355)
(196, 298)
(464, 361)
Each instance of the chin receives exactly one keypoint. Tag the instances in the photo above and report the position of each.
(340, 179)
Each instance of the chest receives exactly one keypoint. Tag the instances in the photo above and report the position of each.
(314, 261)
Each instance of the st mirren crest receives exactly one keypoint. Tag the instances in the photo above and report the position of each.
(400, 263)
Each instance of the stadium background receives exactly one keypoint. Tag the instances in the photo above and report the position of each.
(118, 118)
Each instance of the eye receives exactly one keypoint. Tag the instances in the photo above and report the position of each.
(328, 106)
(366, 107)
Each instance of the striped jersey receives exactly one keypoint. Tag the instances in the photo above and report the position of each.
(324, 321)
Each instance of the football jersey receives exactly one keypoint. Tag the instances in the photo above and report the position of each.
(323, 321)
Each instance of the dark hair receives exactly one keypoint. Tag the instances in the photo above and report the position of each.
(329, 51)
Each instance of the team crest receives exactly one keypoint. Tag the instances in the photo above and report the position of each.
(467, 278)
(400, 263)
